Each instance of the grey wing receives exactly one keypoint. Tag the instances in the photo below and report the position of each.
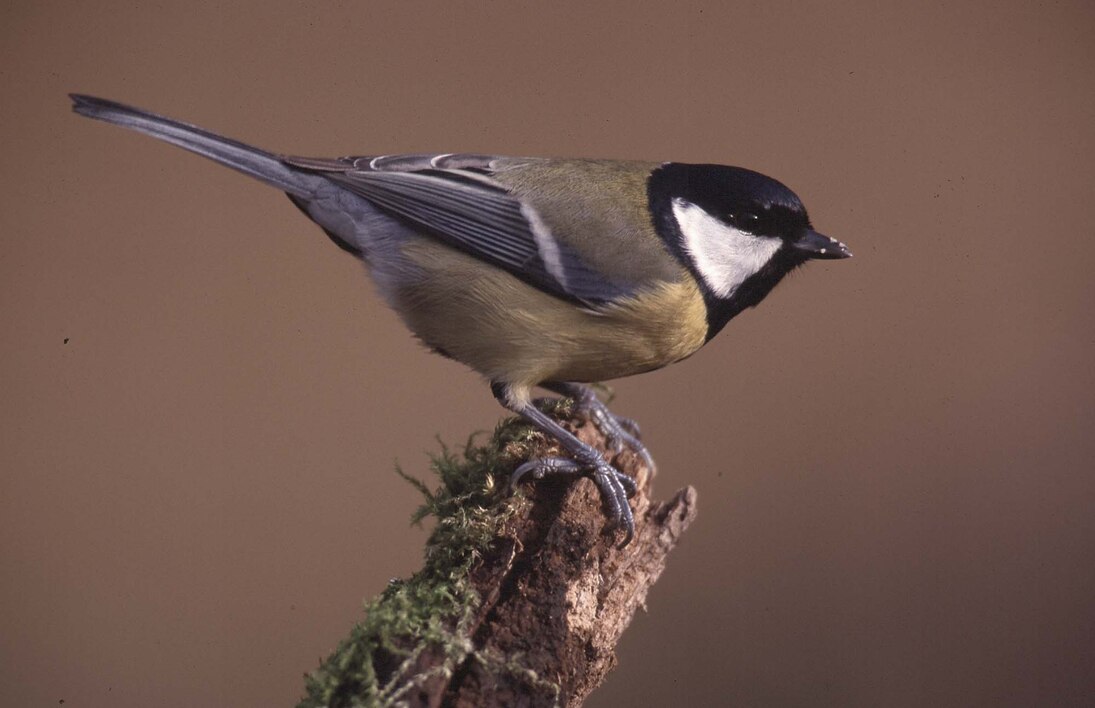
(453, 198)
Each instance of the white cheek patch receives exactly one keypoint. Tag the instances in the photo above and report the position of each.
(724, 256)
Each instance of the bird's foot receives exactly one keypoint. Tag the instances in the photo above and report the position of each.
(615, 486)
(619, 432)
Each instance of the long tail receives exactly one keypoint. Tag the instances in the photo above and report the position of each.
(248, 160)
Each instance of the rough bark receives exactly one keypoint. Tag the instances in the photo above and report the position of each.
(549, 596)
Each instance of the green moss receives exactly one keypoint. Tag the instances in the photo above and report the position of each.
(430, 611)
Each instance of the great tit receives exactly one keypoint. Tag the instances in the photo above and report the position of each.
(541, 272)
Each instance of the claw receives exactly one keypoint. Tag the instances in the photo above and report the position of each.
(630, 426)
(619, 432)
(542, 467)
(631, 488)
(615, 486)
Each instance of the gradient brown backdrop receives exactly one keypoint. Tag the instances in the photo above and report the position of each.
(203, 398)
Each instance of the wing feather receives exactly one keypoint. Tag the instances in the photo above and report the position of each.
(453, 198)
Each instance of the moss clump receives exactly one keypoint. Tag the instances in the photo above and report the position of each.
(430, 611)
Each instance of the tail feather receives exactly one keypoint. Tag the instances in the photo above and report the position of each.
(249, 160)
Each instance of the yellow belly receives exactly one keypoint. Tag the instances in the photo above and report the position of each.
(510, 331)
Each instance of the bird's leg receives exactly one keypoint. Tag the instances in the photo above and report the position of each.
(618, 431)
(614, 485)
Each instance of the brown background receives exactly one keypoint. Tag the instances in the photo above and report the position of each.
(894, 453)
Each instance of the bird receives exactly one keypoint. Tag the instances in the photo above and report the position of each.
(541, 272)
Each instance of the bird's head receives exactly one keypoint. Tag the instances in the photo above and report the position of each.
(739, 232)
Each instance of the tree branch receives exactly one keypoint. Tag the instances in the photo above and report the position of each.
(522, 598)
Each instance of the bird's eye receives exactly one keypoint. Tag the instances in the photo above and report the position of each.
(745, 220)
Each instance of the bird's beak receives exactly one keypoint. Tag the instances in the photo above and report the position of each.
(815, 245)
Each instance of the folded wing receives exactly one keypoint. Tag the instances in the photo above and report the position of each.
(453, 198)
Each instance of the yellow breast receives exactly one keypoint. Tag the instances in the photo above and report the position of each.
(510, 331)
